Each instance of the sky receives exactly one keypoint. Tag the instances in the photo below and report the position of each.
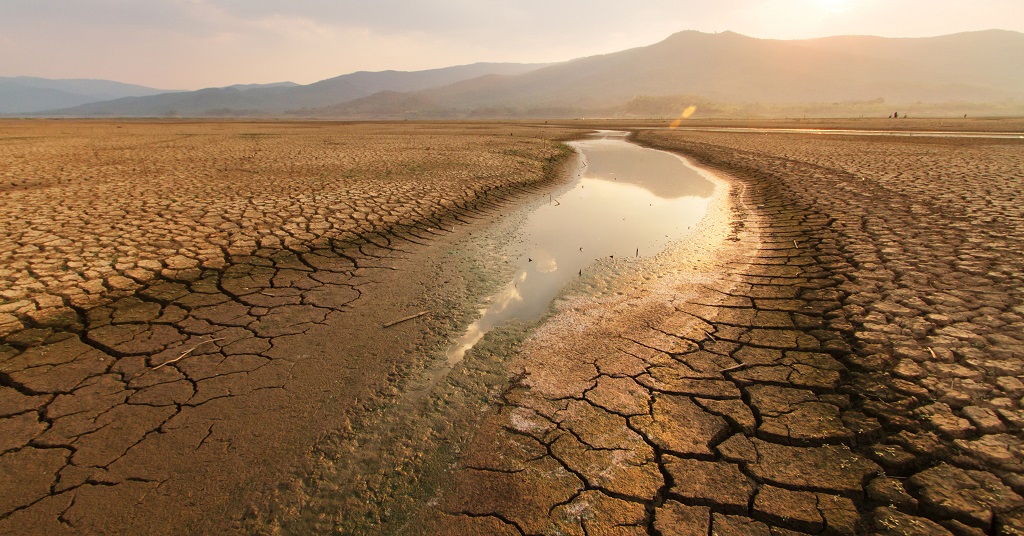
(191, 44)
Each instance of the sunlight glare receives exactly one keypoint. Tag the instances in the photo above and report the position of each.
(685, 115)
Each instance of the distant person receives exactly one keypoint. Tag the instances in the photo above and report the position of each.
(896, 115)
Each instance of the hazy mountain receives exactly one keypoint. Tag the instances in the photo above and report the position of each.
(25, 94)
(278, 99)
(725, 73)
(731, 68)
(255, 86)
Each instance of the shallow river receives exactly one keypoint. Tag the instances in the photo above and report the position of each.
(628, 201)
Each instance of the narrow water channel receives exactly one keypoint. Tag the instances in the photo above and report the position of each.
(628, 201)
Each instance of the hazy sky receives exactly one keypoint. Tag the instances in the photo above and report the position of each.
(188, 44)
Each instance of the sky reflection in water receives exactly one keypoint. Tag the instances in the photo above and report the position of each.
(629, 201)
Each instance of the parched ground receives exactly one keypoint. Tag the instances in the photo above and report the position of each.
(185, 308)
(840, 352)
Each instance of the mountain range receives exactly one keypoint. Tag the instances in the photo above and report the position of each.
(722, 73)
(278, 99)
(26, 94)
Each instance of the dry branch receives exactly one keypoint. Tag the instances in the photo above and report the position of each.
(400, 320)
(185, 353)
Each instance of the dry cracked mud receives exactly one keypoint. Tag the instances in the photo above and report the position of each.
(837, 350)
(841, 353)
(186, 307)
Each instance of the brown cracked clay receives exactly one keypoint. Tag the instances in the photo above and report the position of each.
(840, 343)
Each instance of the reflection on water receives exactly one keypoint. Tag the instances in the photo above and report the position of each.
(662, 174)
(629, 201)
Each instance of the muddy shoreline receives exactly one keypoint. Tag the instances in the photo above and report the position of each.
(394, 490)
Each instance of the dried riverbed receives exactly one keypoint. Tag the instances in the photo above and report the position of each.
(381, 474)
(835, 350)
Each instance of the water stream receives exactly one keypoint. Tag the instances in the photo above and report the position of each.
(628, 201)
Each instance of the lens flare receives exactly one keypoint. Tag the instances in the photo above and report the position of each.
(685, 115)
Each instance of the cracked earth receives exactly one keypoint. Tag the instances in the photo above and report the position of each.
(185, 307)
(839, 351)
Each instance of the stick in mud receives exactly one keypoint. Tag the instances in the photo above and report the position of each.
(185, 353)
(400, 320)
(734, 367)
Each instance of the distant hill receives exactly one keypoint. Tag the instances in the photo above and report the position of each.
(973, 67)
(723, 74)
(26, 94)
(255, 86)
(277, 99)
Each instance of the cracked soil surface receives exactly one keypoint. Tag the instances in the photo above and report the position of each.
(185, 308)
(839, 351)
